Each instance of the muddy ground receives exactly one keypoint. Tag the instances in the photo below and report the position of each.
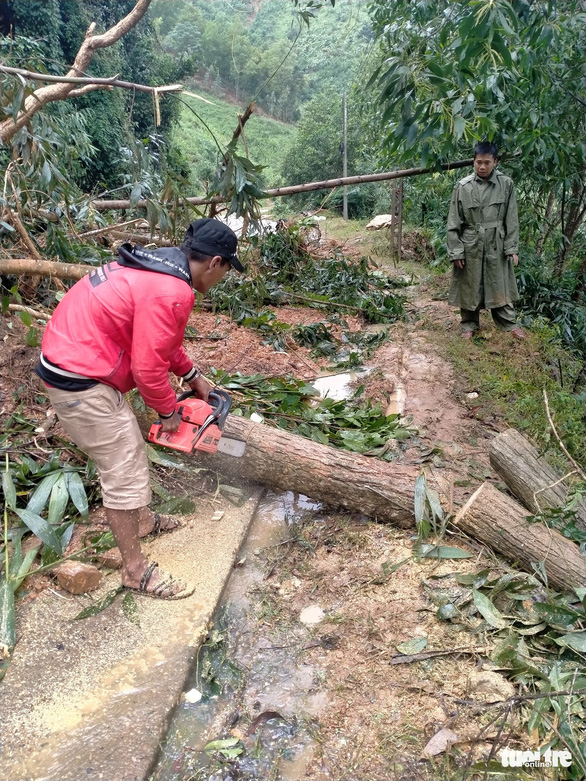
(375, 717)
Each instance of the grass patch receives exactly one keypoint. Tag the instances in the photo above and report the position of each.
(510, 379)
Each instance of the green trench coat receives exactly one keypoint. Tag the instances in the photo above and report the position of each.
(483, 228)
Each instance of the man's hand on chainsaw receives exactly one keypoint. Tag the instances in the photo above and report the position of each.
(171, 424)
(201, 387)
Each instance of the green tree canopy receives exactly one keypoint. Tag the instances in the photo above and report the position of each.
(510, 71)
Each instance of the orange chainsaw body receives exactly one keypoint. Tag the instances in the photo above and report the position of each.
(201, 424)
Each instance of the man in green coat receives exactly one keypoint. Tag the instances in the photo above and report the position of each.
(483, 238)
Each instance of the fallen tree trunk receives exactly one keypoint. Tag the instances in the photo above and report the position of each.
(279, 192)
(385, 491)
(43, 268)
(529, 477)
(497, 520)
(338, 478)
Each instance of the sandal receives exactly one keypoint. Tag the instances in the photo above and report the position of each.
(166, 583)
(157, 530)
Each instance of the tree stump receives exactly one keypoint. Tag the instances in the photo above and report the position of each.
(497, 520)
(528, 476)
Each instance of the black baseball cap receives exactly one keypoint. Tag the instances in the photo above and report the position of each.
(212, 237)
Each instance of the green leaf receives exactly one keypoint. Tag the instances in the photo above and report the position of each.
(32, 336)
(163, 460)
(177, 505)
(557, 615)
(24, 567)
(130, 609)
(9, 489)
(419, 499)
(42, 529)
(77, 493)
(41, 493)
(26, 318)
(459, 126)
(135, 193)
(7, 626)
(93, 610)
(574, 640)
(488, 611)
(414, 646)
(221, 744)
(58, 501)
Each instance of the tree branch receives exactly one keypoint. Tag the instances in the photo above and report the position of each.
(278, 192)
(112, 81)
(40, 97)
(43, 268)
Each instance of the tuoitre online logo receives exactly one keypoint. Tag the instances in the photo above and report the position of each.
(512, 758)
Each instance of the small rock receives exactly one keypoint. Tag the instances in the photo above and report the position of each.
(312, 614)
(77, 577)
(112, 559)
(472, 395)
(490, 686)
(192, 696)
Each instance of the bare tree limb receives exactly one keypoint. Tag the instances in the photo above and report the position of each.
(32, 312)
(278, 192)
(62, 90)
(90, 81)
(13, 217)
(43, 268)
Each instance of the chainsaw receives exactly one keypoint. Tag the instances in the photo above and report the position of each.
(201, 427)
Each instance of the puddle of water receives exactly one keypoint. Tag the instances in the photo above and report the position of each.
(255, 692)
(337, 386)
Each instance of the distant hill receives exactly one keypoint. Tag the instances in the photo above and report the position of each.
(258, 50)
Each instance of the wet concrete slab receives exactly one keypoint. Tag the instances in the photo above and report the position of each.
(92, 699)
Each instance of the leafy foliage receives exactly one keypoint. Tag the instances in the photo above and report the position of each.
(266, 141)
(277, 53)
(556, 299)
(538, 637)
(455, 73)
(472, 70)
(45, 497)
(47, 38)
(291, 404)
(282, 260)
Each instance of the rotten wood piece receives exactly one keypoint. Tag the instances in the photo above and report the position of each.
(501, 523)
(528, 475)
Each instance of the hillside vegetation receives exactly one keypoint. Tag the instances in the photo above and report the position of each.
(267, 140)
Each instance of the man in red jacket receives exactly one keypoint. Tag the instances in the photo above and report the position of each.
(118, 328)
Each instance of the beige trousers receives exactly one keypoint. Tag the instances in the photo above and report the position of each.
(101, 423)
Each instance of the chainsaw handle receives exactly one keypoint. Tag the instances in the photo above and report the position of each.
(220, 402)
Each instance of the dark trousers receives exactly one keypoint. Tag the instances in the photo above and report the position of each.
(503, 316)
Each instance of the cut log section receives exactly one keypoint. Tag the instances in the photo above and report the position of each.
(385, 492)
(497, 520)
(529, 477)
